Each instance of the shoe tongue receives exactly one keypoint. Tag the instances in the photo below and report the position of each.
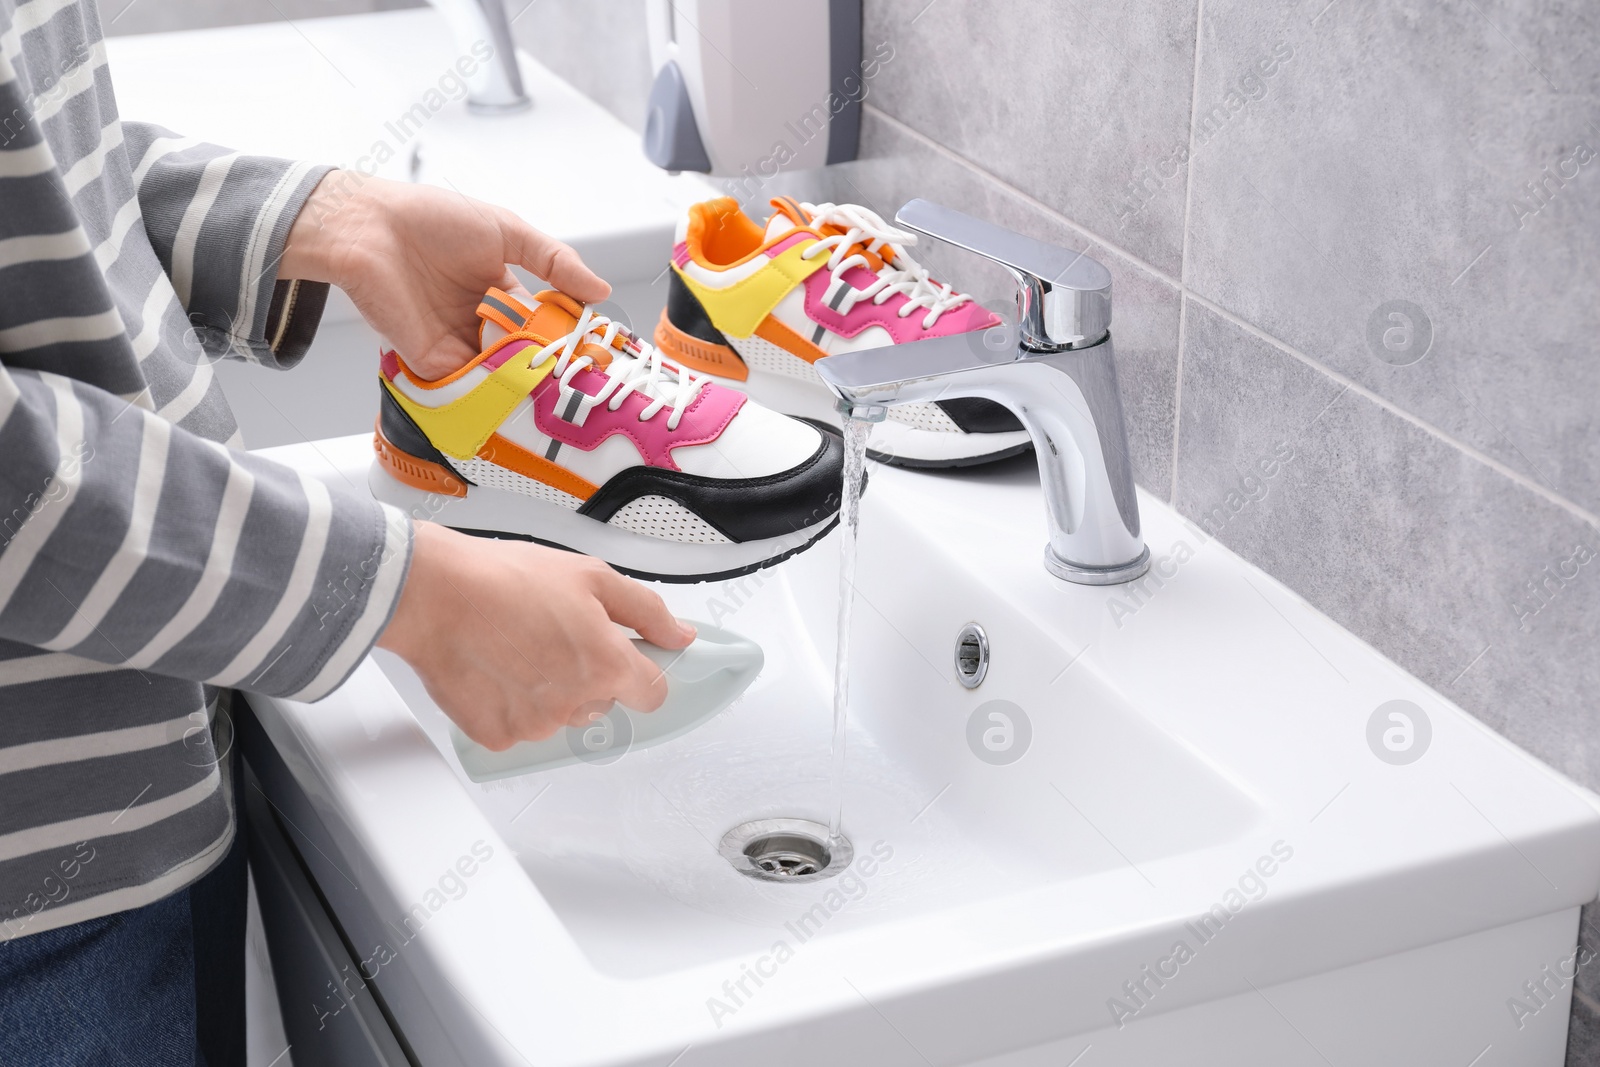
(788, 215)
(550, 316)
(555, 314)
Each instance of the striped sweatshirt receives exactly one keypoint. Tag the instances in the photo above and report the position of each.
(147, 566)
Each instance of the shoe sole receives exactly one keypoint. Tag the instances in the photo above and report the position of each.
(907, 446)
(950, 464)
(923, 464)
(797, 391)
(901, 445)
(488, 512)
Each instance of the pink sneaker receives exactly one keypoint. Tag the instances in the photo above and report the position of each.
(571, 431)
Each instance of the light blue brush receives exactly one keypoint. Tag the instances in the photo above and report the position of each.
(702, 680)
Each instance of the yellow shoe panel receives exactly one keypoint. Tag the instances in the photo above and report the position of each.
(462, 427)
(739, 308)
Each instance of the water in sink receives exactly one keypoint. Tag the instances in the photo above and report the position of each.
(855, 472)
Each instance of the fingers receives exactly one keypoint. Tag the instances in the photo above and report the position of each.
(577, 659)
(551, 260)
(644, 685)
(588, 712)
(448, 355)
(510, 283)
(632, 605)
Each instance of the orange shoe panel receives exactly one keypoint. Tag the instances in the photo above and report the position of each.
(420, 474)
(513, 457)
(777, 333)
(720, 235)
(504, 310)
(698, 355)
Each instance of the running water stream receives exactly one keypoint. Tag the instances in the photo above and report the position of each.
(855, 462)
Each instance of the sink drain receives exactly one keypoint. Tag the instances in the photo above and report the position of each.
(785, 850)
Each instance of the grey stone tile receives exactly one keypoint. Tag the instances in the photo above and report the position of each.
(1583, 1037)
(1079, 103)
(1589, 952)
(120, 17)
(896, 166)
(1416, 547)
(1390, 159)
(600, 46)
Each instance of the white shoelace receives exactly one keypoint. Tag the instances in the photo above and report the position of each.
(647, 373)
(905, 276)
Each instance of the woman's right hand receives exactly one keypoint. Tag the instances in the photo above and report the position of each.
(514, 640)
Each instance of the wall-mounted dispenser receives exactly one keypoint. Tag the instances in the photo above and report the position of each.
(745, 89)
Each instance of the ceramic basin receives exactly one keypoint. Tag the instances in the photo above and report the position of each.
(1198, 765)
(623, 849)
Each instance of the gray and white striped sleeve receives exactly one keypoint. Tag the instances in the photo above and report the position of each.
(129, 541)
(126, 539)
(219, 221)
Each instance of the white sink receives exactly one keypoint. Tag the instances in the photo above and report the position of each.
(1208, 729)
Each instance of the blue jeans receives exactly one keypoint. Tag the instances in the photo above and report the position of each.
(158, 986)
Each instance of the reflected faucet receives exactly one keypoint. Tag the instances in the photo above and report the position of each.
(496, 86)
(1054, 369)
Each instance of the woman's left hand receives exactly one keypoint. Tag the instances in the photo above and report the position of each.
(416, 260)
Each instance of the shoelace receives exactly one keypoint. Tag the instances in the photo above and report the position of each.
(906, 276)
(648, 373)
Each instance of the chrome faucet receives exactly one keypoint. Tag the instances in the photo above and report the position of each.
(1053, 368)
(496, 86)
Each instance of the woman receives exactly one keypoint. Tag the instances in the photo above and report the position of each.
(146, 568)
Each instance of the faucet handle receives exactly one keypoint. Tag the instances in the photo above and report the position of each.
(1063, 297)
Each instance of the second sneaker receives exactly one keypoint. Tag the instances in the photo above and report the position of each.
(756, 305)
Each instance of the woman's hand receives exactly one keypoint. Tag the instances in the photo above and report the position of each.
(417, 260)
(514, 640)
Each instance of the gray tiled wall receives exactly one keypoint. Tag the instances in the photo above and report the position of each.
(1265, 180)
(599, 46)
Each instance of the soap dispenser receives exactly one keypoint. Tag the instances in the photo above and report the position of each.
(747, 89)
